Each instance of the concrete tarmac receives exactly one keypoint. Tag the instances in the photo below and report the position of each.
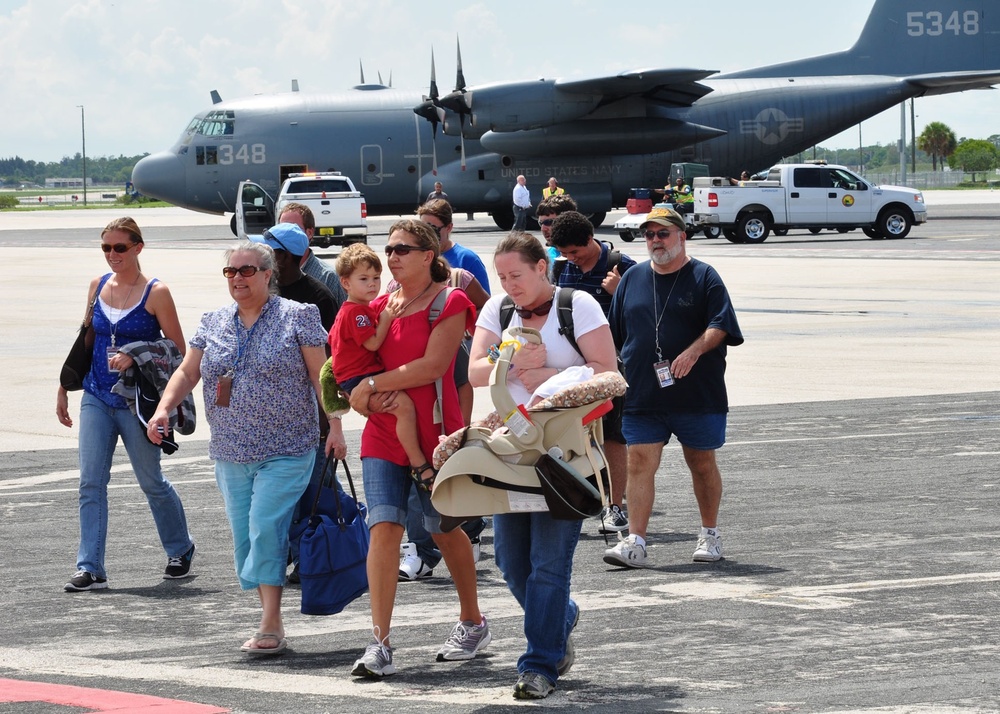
(859, 516)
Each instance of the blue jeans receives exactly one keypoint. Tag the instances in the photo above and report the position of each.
(416, 533)
(259, 499)
(100, 427)
(535, 554)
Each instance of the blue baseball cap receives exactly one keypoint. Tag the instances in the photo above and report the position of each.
(285, 236)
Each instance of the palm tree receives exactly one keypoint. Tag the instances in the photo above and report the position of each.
(938, 140)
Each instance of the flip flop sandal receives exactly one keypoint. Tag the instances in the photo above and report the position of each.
(253, 651)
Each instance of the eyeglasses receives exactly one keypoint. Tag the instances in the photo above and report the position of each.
(662, 234)
(245, 270)
(403, 249)
(117, 247)
(546, 221)
(543, 309)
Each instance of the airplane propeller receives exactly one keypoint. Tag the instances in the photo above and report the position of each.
(431, 110)
(459, 100)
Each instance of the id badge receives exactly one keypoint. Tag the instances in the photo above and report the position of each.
(223, 389)
(663, 375)
(112, 352)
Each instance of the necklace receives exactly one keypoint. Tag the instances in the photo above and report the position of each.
(114, 327)
(422, 293)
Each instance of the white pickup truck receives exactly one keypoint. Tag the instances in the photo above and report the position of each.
(805, 196)
(339, 209)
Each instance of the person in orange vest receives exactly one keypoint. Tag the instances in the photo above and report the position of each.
(552, 189)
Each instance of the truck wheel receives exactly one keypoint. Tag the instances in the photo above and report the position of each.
(753, 228)
(780, 231)
(503, 219)
(872, 233)
(731, 235)
(894, 222)
(626, 236)
(712, 231)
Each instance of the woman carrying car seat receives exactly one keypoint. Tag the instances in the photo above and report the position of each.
(533, 550)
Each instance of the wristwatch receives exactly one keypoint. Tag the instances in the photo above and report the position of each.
(371, 383)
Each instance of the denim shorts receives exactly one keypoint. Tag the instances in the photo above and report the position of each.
(387, 491)
(350, 383)
(704, 432)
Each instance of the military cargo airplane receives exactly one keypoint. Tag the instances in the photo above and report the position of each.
(599, 136)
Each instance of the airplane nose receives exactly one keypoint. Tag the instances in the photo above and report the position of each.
(161, 176)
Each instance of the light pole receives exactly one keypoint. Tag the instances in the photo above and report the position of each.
(83, 130)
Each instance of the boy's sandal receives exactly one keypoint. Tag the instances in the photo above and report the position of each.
(422, 483)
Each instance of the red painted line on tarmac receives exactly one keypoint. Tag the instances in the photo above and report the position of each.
(98, 700)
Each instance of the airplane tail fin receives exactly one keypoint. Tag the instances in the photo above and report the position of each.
(907, 39)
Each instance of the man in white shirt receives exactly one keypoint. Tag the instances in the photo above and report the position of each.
(522, 203)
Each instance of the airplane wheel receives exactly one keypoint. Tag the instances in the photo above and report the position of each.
(232, 225)
(712, 231)
(872, 233)
(503, 219)
(626, 236)
(753, 228)
(844, 230)
(894, 222)
(815, 231)
(596, 219)
(780, 231)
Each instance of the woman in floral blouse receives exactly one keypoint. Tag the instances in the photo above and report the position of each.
(260, 360)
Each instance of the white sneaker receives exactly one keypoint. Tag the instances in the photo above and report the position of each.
(411, 567)
(709, 547)
(627, 553)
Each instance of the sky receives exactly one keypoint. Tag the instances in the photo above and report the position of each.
(142, 69)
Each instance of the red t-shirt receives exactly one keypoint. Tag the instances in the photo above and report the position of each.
(355, 323)
(406, 342)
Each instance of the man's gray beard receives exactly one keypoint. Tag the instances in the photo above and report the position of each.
(665, 256)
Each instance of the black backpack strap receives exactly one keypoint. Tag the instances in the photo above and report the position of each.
(558, 266)
(506, 313)
(564, 311)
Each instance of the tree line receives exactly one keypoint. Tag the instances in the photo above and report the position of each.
(103, 170)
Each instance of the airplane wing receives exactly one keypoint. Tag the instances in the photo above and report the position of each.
(947, 82)
(676, 87)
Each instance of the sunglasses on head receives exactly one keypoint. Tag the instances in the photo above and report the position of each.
(117, 247)
(662, 234)
(543, 309)
(245, 270)
(403, 249)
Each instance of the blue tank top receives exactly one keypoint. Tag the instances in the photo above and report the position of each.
(137, 326)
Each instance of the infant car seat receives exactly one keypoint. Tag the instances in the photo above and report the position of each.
(545, 457)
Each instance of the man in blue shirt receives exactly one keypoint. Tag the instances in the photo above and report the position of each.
(594, 267)
(672, 320)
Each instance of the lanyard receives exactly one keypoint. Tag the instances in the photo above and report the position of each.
(663, 310)
(241, 345)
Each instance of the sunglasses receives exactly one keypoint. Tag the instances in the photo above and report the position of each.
(546, 221)
(245, 270)
(117, 247)
(543, 309)
(403, 249)
(437, 229)
(662, 234)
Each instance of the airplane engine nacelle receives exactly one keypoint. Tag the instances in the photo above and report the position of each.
(518, 106)
(628, 135)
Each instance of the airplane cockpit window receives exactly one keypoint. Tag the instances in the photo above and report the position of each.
(221, 123)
